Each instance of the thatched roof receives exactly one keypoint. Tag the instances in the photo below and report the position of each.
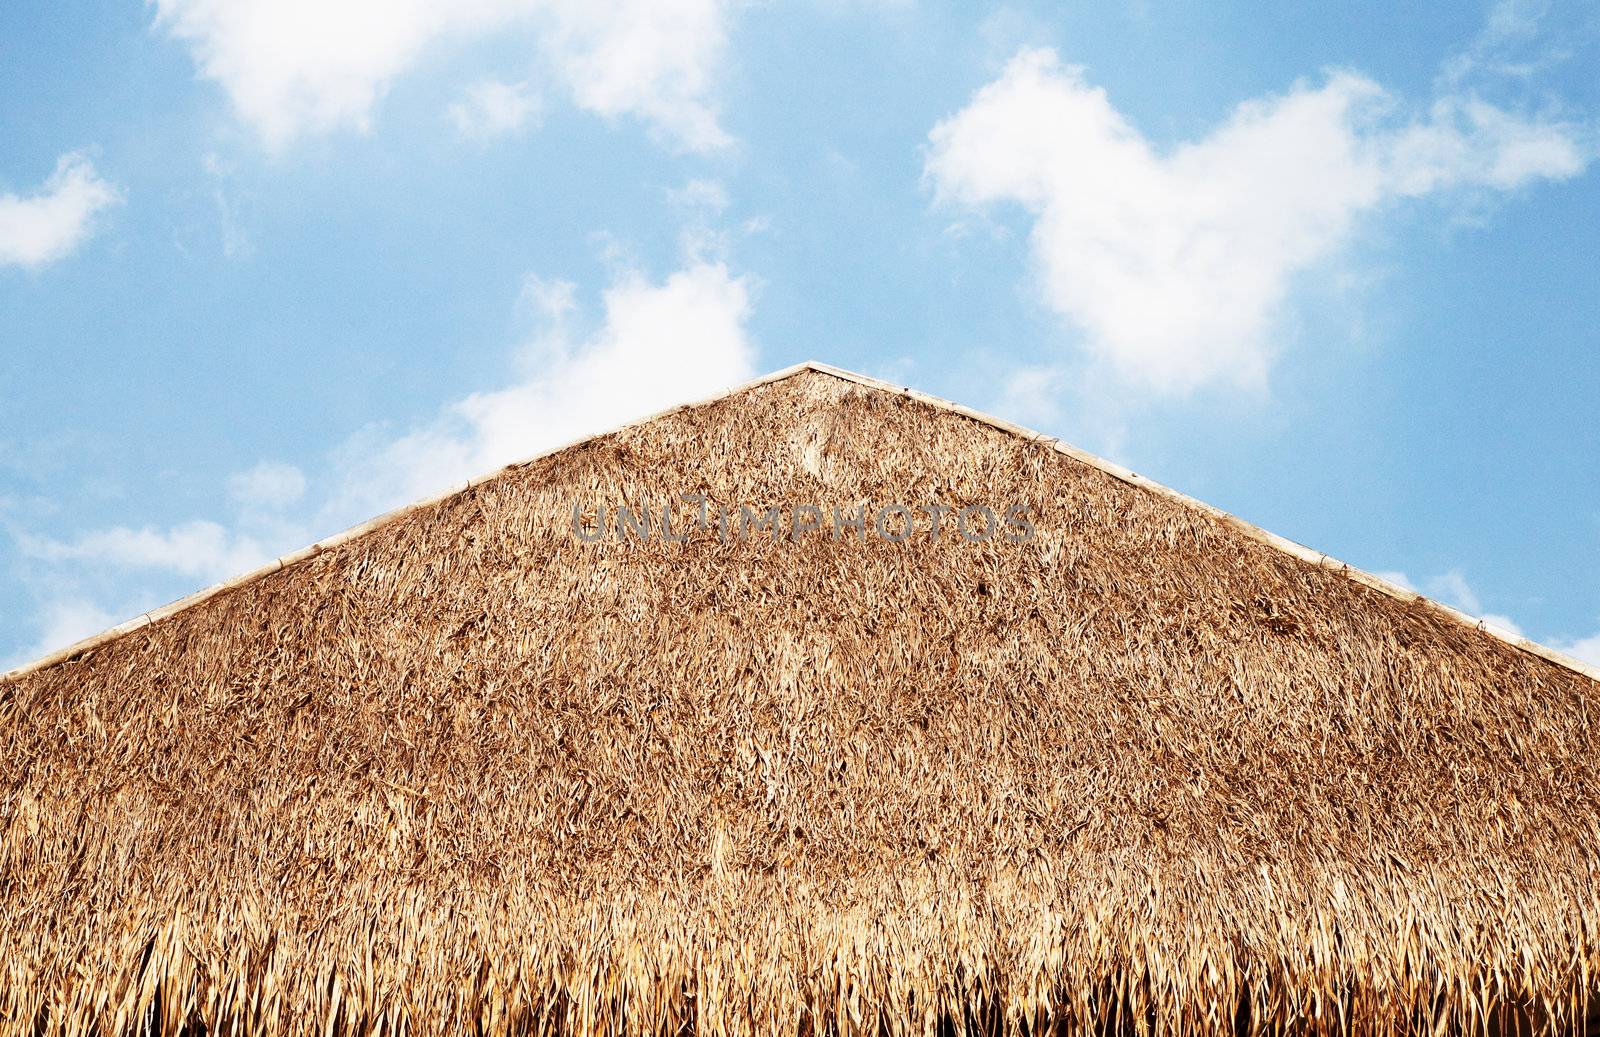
(464, 771)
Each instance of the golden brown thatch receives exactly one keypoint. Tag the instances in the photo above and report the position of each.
(1150, 770)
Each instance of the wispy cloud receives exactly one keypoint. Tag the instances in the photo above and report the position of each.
(80, 576)
(201, 549)
(700, 196)
(1509, 45)
(1585, 649)
(61, 621)
(45, 226)
(490, 109)
(1452, 588)
(270, 486)
(1031, 395)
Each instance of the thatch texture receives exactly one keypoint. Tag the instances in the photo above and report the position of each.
(469, 773)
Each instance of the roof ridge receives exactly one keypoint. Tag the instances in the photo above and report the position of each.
(1111, 468)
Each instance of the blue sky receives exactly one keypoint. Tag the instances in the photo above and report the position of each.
(269, 267)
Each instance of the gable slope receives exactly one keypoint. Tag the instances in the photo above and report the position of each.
(1116, 471)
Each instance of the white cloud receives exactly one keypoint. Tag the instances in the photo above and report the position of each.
(46, 226)
(1466, 141)
(1175, 266)
(652, 58)
(200, 549)
(490, 109)
(1453, 589)
(1399, 579)
(659, 344)
(1501, 46)
(265, 524)
(1584, 649)
(292, 67)
(705, 196)
(269, 486)
(1031, 395)
(1503, 622)
(61, 622)
(705, 232)
(553, 301)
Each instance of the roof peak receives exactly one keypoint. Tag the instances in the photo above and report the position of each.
(1116, 471)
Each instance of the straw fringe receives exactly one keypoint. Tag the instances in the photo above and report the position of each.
(461, 772)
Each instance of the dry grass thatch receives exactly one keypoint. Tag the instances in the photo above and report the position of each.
(467, 773)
